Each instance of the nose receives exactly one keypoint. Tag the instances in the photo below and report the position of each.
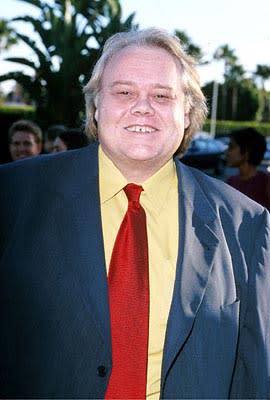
(142, 106)
(21, 148)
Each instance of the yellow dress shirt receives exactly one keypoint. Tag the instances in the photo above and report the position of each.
(160, 201)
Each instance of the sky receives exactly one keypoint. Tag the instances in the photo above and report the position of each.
(242, 24)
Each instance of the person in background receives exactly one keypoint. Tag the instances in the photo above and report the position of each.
(245, 152)
(124, 273)
(49, 136)
(70, 139)
(25, 139)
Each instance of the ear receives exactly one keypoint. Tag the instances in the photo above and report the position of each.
(186, 113)
(96, 115)
(186, 120)
(96, 105)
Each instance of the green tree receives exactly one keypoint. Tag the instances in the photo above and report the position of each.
(263, 73)
(234, 78)
(7, 35)
(225, 54)
(191, 48)
(247, 100)
(71, 33)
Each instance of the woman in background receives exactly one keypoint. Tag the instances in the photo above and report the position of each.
(70, 139)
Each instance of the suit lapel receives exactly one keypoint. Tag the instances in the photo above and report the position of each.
(197, 245)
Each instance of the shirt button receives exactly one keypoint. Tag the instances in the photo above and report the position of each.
(102, 371)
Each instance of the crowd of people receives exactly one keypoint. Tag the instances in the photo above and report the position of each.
(26, 139)
(124, 273)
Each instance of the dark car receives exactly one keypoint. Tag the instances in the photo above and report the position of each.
(265, 164)
(205, 152)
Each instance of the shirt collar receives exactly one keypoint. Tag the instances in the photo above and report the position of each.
(111, 180)
(156, 188)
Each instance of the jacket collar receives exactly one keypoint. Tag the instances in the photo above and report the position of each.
(197, 245)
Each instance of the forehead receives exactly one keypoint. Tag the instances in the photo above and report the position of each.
(134, 63)
(58, 140)
(23, 135)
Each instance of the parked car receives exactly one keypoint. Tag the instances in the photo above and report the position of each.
(205, 152)
(265, 164)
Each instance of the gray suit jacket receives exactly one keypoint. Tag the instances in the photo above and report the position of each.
(55, 328)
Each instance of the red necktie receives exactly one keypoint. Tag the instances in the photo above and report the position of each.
(129, 303)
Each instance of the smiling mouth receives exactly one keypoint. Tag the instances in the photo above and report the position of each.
(140, 129)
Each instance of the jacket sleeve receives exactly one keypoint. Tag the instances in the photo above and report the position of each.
(251, 378)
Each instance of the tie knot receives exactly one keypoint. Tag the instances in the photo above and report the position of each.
(133, 192)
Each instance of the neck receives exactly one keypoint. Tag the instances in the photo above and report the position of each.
(139, 171)
(247, 171)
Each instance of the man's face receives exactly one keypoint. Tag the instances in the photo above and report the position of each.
(140, 108)
(23, 145)
(234, 156)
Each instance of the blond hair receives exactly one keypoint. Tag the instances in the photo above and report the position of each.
(152, 37)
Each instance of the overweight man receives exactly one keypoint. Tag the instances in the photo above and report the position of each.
(125, 274)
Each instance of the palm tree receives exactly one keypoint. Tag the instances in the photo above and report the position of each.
(226, 54)
(71, 33)
(263, 73)
(190, 48)
(235, 75)
(7, 35)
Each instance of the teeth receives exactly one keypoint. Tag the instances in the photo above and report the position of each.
(142, 129)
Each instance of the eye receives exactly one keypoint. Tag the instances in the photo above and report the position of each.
(124, 92)
(162, 96)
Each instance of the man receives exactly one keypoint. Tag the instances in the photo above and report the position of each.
(25, 139)
(245, 152)
(207, 252)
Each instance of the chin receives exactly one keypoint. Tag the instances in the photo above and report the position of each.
(141, 156)
(142, 153)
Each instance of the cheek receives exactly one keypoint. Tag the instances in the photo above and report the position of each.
(36, 148)
(236, 155)
(109, 116)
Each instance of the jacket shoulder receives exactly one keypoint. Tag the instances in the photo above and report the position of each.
(45, 168)
(217, 193)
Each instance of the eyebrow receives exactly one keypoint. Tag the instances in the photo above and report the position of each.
(130, 83)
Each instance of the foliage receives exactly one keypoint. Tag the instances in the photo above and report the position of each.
(263, 73)
(71, 33)
(7, 35)
(246, 102)
(225, 127)
(226, 54)
(190, 48)
(22, 111)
